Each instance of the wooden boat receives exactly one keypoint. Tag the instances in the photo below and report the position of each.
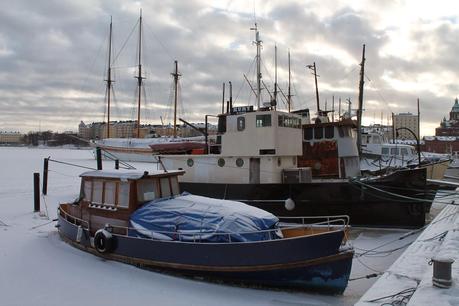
(304, 256)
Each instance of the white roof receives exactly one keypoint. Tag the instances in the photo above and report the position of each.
(128, 174)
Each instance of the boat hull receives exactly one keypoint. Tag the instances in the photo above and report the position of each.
(306, 263)
(379, 206)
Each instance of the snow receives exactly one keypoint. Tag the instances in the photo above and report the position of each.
(143, 142)
(412, 270)
(38, 268)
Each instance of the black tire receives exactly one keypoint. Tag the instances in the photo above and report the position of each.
(103, 241)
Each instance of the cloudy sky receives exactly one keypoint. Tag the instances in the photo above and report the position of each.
(53, 57)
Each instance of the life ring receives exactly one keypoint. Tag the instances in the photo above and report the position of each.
(103, 241)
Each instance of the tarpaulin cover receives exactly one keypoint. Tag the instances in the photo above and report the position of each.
(196, 218)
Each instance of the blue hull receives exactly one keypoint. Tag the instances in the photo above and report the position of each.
(305, 263)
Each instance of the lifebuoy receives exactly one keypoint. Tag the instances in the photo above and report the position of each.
(103, 241)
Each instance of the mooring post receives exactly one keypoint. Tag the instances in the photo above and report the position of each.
(45, 176)
(36, 192)
(117, 164)
(99, 158)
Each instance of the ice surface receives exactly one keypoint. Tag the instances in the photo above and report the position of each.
(37, 268)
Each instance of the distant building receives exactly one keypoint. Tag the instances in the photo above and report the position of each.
(450, 127)
(11, 137)
(406, 120)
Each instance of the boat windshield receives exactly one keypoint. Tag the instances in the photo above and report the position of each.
(151, 189)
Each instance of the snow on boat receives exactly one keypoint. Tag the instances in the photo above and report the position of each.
(141, 218)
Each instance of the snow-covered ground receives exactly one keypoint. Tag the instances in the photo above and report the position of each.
(37, 268)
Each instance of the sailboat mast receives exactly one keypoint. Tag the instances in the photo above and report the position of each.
(258, 43)
(360, 108)
(317, 88)
(176, 77)
(139, 76)
(289, 95)
(109, 78)
(275, 76)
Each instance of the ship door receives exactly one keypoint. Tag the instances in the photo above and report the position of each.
(254, 174)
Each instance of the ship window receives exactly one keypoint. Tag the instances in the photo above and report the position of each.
(146, 190)
(221, 162)
(385, 151)
(175, 186)
(239, 162)
(123, 194)
(263, 120)
(97, 192)
(240, 123)
(87, 189)
(329, 132)
(165, 187)
(318, 133)
(404, 151)
(376, 139)
(393, 151)
(110, 193)
(308, 134)
(190, 162)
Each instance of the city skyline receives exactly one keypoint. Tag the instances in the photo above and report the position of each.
(53, 57)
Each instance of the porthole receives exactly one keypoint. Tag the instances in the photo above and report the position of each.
(279, 161)
(190, 162)
(221, 162)
(239, 162)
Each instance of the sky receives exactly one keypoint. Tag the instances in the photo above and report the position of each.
(54, 55)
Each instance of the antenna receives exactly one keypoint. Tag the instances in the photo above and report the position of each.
(258, 58)
(139, 76)
(109, 77)
(176, 77)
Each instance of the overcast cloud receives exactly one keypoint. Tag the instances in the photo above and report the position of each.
(53, 56)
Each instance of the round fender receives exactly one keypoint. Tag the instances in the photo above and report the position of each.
(289, 204)
(103, 241)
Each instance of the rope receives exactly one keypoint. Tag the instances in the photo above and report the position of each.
(3, 223)
(69, 164)
(401, 297)
(365, 277)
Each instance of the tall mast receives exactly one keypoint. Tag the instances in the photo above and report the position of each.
(139, 76)
(314, 72)
(289, 95)
(258, 43)
(176, 77)
(360, 108)
(275, 76)
(109, 78)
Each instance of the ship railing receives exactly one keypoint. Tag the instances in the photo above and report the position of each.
(329, 221)
(73, 219)
(199, 236)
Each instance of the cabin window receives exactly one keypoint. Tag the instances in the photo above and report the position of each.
(329, 132)
(110, 193)
(165, 187)
(239, 162)
(318, 133)
(240, 123)
(376, 139)
(404, 151)
(146, 190)
(385, 151)
(286, 121)
(413, 151)
(87, 189)
(98, 187)
(123, 194)
(308, 134)
(393, 151)
(175, 186)
(263, 120)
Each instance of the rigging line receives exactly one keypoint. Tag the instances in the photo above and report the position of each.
(242, 83)
(70, 164)
(367, 266)
(3, 223)
(125, 42)
(165, 49)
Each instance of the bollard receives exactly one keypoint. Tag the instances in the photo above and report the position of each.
(441, 272)
(45, 176)
(117, 164)
(99, 158)
(36, 192)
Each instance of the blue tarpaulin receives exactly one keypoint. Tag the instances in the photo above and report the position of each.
(196, 218)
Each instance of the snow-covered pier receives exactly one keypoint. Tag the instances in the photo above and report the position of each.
(409, 280)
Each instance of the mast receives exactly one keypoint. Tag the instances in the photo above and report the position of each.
(109, 77)
(139, 76)
(258, 43)
(176, 77)
(360, 108)
(223, 99)
(313, 68)
(275, 76)
(289, 95)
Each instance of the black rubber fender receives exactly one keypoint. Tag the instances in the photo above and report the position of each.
(103, 241)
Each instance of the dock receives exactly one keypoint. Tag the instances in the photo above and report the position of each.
(409, 280)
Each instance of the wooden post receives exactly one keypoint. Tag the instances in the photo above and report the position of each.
(36, 192)
(45, 176)
(117, 164)
(99, 158)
